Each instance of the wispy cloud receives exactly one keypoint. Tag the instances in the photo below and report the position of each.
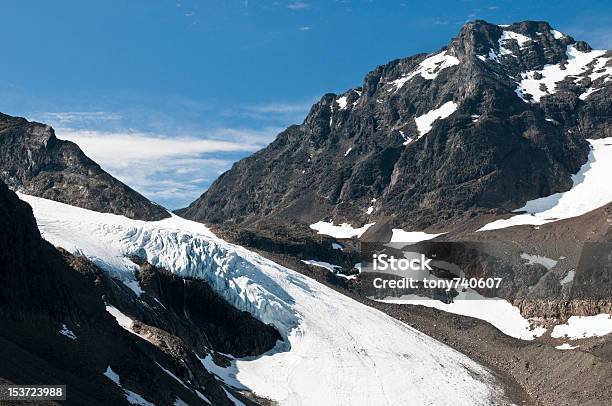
(281, 107)
(276, 113)
(66, 118)
(305, 28)
(170, 170)
(298, 5)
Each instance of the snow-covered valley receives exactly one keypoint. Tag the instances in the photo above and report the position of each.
(336, 350)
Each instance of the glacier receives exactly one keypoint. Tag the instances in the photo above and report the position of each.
(336, 351)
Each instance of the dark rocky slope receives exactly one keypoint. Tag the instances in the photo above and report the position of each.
(35, 162)
(44, 291)
(491, 155)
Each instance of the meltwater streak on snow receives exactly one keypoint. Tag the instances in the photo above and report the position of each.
(592, 189)
(584, 326)
(498, 312)
(425, 121)
(340, 351)
(344, 230)
(577, 62)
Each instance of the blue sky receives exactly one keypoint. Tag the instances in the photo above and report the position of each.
(166, 95)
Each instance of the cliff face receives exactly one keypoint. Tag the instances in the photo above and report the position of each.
(57, 327)
(35, 162)
(431, 140)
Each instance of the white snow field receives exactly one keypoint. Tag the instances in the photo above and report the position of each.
(592, 189)
(577, 64)
(339, 352)
(503, 51)
(498, 312)
(584, 326)
(428, 69)
(343, 230)
(399, 235)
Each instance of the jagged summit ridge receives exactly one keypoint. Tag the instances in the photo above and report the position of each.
(434, 138)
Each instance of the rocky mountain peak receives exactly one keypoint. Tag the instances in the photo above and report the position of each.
(496, 118)
(34, 161)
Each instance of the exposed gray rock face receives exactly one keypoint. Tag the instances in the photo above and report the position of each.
(56, 330)
(35, 162)
(493, 148)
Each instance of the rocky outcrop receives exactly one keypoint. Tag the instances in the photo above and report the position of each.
(189, 308)
(56, 330)
(34, 161)
(371, 153)
(562, 309)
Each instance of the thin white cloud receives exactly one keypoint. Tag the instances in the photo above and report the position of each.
(279, 108)
(172, 171)
(69, 117)
(305, 28)
(298, 5)
(122, 147)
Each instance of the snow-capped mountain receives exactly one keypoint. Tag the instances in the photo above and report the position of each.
(502, 136)
(508, 126)
(498, 117)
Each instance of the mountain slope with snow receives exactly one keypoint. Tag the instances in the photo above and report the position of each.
(498, 117)
(336, 350)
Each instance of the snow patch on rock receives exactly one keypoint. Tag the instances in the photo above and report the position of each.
(132, 397)
(425, 121)
(498, 312)
(65, 331)
(591, 189)
(429, 68)
(410, 237)
(578, 327)
(322, 264)
(343, 230)
(547, 263)
(543, 82)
